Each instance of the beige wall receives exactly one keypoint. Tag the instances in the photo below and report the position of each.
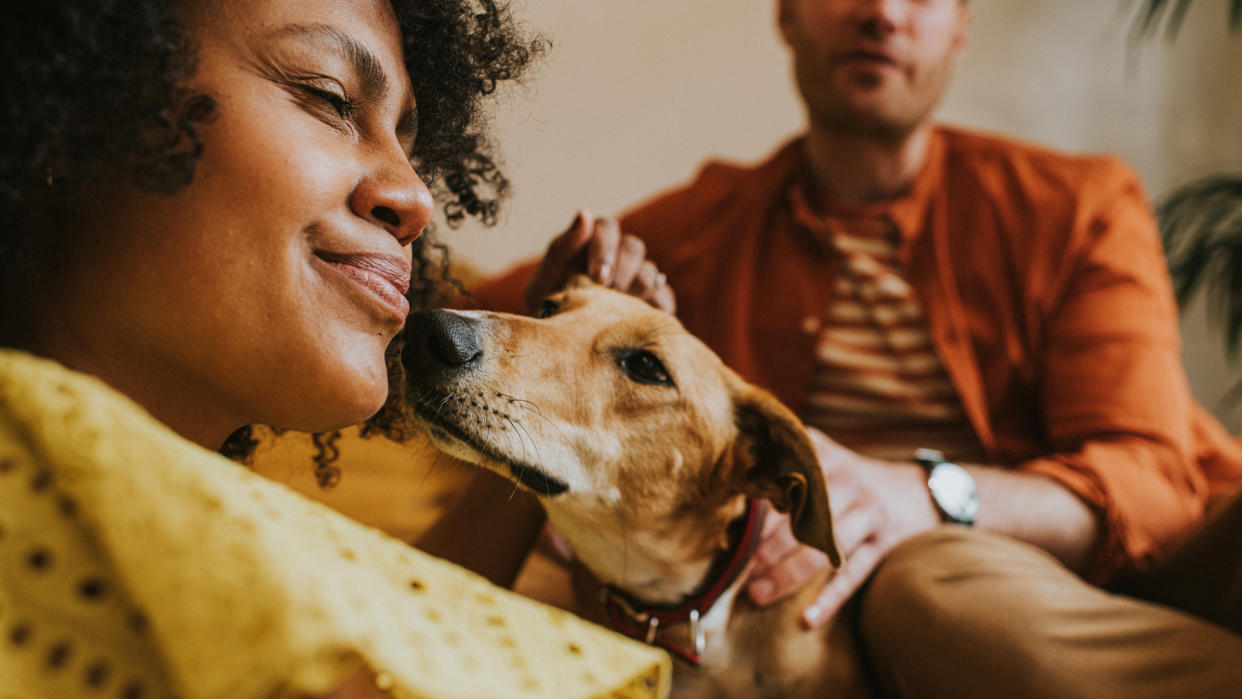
(635, 94)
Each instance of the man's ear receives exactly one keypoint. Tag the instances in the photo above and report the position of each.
(785, 19)
(774, 459)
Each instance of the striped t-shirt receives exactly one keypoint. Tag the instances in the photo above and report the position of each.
(878, 386)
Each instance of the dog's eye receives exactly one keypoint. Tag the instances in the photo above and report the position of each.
(548, 308)
(645, 367)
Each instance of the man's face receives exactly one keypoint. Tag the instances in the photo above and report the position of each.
(873, 66)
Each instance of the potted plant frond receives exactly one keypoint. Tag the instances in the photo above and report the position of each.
(1201, 222)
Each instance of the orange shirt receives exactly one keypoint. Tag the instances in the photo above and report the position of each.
(1047, 298)
(878, 386)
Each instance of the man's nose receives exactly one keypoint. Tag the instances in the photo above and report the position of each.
(879, 18)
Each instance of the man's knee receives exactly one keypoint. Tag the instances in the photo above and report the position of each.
(913, 590)
(956, 600)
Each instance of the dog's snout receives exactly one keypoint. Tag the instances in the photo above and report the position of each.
(441, 337)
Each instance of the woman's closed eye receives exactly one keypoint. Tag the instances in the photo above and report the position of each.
(330, 101)
(344, 107)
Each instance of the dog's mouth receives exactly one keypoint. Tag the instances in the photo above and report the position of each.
(526, 475)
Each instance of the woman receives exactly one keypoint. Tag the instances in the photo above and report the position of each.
(210, 208)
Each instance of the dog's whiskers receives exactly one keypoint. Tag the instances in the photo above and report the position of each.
(518, 434)
(535, 409)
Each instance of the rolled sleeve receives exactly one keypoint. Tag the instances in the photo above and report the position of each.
(1117, 406)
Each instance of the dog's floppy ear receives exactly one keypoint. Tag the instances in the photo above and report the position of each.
(774, 459)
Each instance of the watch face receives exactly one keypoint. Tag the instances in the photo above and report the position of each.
(954, 491)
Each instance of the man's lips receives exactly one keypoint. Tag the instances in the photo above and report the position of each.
(387, 278)
(875, 59)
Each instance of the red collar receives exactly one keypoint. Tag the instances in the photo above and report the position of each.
(645, 621)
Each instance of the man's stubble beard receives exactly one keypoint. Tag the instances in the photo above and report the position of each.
(834, 113)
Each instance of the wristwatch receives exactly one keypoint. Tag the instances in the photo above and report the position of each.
(952, 487)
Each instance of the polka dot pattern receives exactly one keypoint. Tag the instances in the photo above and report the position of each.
(70, 639)
(145, 566)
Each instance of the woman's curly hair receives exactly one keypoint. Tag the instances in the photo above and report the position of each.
(96, 86)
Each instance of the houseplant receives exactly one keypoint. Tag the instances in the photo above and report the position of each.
(1201, 222)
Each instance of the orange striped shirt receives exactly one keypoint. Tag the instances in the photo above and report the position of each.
(878, 385)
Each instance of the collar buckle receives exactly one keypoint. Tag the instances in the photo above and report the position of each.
(639, 621)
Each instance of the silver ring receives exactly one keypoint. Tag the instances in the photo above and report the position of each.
(659, 281)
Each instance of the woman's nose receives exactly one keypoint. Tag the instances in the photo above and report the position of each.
(392, 196)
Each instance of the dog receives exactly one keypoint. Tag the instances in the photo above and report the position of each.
(655, 461)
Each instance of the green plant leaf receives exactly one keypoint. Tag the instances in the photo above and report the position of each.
(1201, 227)
(1152, 13)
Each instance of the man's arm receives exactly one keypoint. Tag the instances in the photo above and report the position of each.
(1119, 477)
(878, 504)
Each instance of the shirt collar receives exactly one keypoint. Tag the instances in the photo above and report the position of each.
(907, 212)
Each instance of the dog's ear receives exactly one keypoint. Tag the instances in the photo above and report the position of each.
(774, 459)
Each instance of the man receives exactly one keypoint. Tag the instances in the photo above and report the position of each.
(906, 286)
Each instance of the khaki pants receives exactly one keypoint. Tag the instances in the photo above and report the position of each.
(958, 613)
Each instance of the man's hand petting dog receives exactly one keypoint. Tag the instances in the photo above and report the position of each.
(875, 506)
(598, 248)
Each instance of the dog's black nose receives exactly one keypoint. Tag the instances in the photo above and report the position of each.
(440, 338)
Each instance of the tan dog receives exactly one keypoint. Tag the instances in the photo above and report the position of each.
(646, 452)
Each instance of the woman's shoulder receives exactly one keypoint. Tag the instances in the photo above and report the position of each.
(69, 624)
(250, 587)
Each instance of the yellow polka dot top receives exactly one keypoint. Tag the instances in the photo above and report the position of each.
(135, 565)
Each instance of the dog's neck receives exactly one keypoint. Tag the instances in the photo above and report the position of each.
(660, 559)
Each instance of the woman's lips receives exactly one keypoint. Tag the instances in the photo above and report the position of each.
(386, 278)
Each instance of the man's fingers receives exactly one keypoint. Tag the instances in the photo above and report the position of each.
(602, 251)
(853, 529)
(840, 587)
(792, 573)
(631, 253)
(826, 448)
(567, 245)
(776, 543)
(651, 285)
(599, 248)
(774, 522)
(774, 546)
(561, 259)
(664, 299)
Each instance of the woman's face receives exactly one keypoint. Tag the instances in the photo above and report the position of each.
(267, 289)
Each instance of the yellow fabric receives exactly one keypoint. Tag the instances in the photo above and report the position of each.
(400, 489)
(130, 558)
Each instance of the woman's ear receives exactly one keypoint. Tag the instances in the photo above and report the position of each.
(774, 460)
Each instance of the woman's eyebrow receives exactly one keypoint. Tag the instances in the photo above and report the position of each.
(374, 81)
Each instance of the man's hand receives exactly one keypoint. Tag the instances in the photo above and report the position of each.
(875, 506)
(598, 248)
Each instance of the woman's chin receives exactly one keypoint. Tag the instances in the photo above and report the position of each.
(359, 403)
(340, 399)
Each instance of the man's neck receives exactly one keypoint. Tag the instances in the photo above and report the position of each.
(849, 168)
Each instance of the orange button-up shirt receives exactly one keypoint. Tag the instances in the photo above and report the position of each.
(1047, 297)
